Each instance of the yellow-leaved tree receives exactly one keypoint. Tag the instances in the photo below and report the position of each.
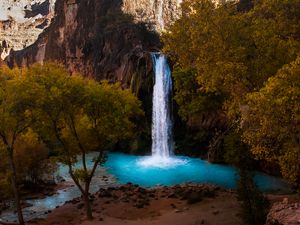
(272, 121)
(79, 116)
(15, 119)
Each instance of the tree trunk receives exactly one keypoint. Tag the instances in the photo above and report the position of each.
(84, 191)
(15, 188)
(87, 205)
(215, 146)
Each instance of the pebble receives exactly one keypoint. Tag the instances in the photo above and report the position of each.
(215, 212)
(178, 211)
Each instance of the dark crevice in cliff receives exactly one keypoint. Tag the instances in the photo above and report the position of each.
(38, 8)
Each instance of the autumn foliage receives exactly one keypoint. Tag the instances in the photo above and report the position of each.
(244, 63)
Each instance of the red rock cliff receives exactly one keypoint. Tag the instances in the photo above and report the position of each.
(95, 38)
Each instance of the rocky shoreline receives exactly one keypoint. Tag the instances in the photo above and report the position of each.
(140, 197)
(131, 202)
(284, 213)
(39, 192)
(139, 206)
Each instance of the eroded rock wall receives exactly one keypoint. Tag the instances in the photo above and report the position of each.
(95, 38)
(102, 39)
(157, 13)
(21, 22)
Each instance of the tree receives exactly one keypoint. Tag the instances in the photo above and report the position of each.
(32, 159)
(272, 121)
(233, 53)
(192, 100)
(15, 119)
(254, 205)
(80, 116)
(5, 185)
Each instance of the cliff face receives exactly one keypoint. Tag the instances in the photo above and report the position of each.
(103, 39)
(21, 21)
(158, 13)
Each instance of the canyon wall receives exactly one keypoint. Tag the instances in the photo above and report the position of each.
(157, 13)
(21, 21)
(103, 39)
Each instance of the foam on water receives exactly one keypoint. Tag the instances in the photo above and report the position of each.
(161, 162)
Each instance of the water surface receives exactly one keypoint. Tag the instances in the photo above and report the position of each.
(129, 168)
(122, 168)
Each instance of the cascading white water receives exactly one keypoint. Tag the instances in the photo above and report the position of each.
(159, 14)
(162, 141)
(162, 137)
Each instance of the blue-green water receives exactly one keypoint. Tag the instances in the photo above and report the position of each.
(127, 168)
(144, 171)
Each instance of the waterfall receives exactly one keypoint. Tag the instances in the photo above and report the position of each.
(162, 135)
(162, 141)
(160, 15)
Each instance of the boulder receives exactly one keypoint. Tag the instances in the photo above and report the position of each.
(284, 213)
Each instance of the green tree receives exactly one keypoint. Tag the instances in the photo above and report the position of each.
(15, 119)
(80, 116)
(236, 152)
(272, 121)
(5, 184)
(32, 159)
(233, 53)
(193, 102)
(254, 205)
